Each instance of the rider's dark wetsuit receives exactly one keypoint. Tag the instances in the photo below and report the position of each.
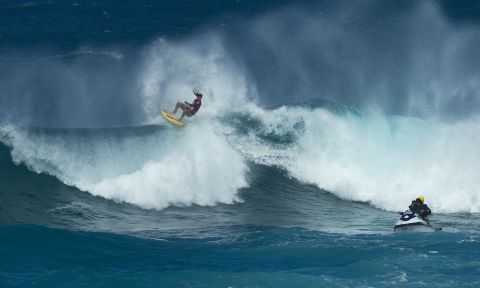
(421, 209)
(193, 107)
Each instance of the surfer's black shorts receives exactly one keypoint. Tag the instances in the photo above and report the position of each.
(191, 112)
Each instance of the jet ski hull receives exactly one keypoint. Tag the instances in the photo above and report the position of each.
(413, 227)
(411, 222)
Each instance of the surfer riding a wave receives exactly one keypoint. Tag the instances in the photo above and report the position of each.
(189, 109)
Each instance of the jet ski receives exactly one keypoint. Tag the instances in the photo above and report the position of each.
(412, 222)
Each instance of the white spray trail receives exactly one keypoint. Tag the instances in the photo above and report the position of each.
(172, 70)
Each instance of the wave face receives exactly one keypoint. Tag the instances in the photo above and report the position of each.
(385, 161)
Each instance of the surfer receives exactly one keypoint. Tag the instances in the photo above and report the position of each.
(418, 206)
(189, 109)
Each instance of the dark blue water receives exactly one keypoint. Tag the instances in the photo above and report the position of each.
(260, 256)
(70, 24)
(320, 121)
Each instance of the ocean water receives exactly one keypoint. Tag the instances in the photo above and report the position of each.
(321, 121)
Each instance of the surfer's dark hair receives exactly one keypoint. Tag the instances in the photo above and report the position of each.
(198, 94)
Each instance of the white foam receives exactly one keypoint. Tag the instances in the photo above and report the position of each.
(386, 161)
(191, 166)
(201, 168)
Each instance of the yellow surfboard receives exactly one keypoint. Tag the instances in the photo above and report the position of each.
(170, 118)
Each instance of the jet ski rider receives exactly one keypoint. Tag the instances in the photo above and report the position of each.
(418, 206)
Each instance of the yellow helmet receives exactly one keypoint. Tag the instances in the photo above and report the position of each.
(421, 198)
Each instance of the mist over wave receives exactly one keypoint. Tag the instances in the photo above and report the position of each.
(402, 57)
(170, 70)
(88, 87)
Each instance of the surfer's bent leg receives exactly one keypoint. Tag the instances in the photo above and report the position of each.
(183, 114)
(179, 105)
(186, 112)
